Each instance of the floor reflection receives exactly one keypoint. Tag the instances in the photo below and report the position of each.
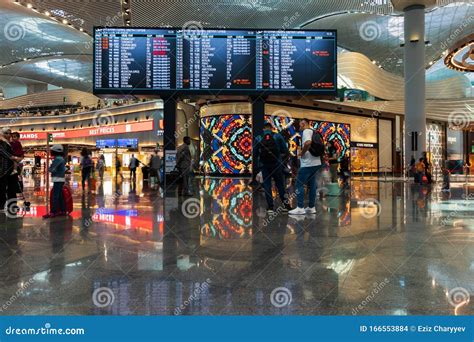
(380, 248)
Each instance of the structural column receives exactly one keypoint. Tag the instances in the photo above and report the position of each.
(169, 134)
(258, 118)
(414, 62)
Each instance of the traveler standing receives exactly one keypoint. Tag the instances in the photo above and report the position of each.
(101, 167)
(134, 162)
(155, 166)
(118, 168)
(86, 169)
(270, 151)
(8, 188)
(58, 170)
(310, 152)
(184, 166)
(17, 151)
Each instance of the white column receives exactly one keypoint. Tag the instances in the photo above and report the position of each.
(414, 62)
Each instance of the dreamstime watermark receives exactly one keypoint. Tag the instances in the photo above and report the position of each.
(183, 128)
(103, 297)
(288, 21)
(102, 118)
(109, 22)
(456, 33)
(461, 119)
(370, 208)
(377, 287)
(192, 29)
(46, 330)
(280, 297)
(14, 31)
(12, 208)
(458, 296)
(191, 208)
(195, 295)
(276, 115)
(370, 31)
(18, 293)
(280, 209)
(368, 121)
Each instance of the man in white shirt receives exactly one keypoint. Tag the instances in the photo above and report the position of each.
(309, 166)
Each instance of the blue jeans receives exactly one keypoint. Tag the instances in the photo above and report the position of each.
(58, 199)
(306, 176)
(275, 172)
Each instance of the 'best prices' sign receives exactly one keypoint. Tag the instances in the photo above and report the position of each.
(91, 131)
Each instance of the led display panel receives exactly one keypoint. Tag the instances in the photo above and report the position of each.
(171, 61)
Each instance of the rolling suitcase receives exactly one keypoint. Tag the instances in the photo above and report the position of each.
(67, 195)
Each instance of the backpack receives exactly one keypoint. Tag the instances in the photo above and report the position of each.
(269, 153)
(87, 162)
(317, 145)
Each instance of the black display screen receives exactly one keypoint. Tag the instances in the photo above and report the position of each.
(165, 61)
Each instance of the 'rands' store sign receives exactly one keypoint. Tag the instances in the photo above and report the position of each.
(91, 132)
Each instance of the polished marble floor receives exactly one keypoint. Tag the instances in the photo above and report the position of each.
(384, 248)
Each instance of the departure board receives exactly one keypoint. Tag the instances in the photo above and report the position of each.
(217, 59)
(134, 59)
(164, 61)
(296, 60)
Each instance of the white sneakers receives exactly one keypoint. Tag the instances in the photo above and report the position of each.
(301, 211)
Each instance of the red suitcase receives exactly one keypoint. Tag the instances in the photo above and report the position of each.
(67, 195)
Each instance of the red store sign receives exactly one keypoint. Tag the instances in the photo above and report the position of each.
(91, 132)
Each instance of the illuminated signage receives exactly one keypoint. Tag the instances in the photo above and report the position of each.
(363, 145)
(91, 132)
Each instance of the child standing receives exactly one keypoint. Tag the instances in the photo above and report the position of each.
(58, 170)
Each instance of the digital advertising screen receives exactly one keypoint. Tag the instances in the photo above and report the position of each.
(229, 61)
(339, 133)
(226, 144)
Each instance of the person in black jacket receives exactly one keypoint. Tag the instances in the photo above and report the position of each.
(8, 180)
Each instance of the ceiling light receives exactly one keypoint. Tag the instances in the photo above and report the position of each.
(374, 61)
(64, 21)
(29, 5)
(47, 13)
(81, 29)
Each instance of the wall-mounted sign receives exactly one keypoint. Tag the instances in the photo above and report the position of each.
(170, 160)
(363, 145)
(91, 132)
(127, 143)
(106, 143)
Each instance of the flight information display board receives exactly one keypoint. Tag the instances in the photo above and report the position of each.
(134, 59)
(166, 61)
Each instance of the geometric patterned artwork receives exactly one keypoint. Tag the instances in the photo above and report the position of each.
(226, 144)
(330, 131)
(285, 126)
(339, 133)
(229, 215)
(434, 146)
